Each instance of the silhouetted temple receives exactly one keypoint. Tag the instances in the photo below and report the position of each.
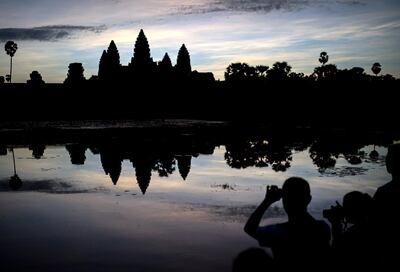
(143, 67)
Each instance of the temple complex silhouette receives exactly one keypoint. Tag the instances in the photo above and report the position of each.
(142, 66)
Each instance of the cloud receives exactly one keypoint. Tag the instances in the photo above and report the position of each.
(46, 33)
(256, 5)
(351, 2)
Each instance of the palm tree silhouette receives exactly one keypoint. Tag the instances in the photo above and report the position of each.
(376, 68)
(15, 182)
(15, 169)
(11, 47)
(323, 58)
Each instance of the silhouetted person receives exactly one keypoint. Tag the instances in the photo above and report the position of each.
(352, 233)
(301, 242)
(386, 215)
(252, 260)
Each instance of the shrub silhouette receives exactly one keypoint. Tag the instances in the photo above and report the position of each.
(376, 68)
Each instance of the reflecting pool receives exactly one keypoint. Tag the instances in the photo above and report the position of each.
(163, 201)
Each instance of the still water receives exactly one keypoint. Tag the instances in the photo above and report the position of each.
(106, 205)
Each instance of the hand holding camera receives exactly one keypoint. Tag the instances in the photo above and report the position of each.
(335, 214)
(273, 193)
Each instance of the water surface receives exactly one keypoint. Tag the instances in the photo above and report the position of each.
(112, 205)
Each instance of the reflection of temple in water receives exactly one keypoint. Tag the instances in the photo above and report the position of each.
(77, 153)
(143, 173)
(111, 161)
(184, 164)
(37, 150)
(166, 153)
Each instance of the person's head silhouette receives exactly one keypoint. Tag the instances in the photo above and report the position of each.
(393, 160)
(296, 196)
(356, 206)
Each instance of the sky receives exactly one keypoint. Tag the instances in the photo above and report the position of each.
(52, 33)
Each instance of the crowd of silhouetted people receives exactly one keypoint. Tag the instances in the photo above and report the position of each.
(363, 236)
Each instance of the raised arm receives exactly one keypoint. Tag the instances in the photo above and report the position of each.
(273, 194)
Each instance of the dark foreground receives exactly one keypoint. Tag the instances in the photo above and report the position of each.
(327, 104)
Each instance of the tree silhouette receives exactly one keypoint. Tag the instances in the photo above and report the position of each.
(165, 165)
(323, 58)
(2, 80)
(328, 71)
(11, 47)
(376, 68)
(357, 71)
(75, 74)
(142, 60)
(240, 72)
(279, 155)
(245, 153)
(36, 79)
(262, 70)
(259, 153)
(279, 71)
(15, 182)
(323, 155)
(183, 66)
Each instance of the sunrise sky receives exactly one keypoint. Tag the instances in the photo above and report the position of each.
(52, 33)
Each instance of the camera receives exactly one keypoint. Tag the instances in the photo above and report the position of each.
(334, 213)
(275, 191)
